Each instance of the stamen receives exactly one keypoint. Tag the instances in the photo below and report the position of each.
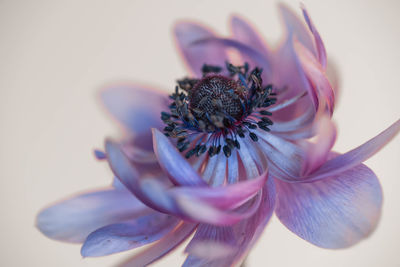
(209, 114)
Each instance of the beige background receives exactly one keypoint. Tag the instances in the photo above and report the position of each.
(55, 55)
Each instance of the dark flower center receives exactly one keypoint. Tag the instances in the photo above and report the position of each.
(216, 95)
(212, 112)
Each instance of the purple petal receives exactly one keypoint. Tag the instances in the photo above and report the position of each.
(210, 250)
(233, 168)
(288, 71)
(195, 56)
(246, 34)
(138, 155)
(356, 155)
(303, 133)
(209, 168)
(100, 155)
(321, 52)
(290, 81)
(194, 261)
(218, 234)
(160, 196)
(137, 108)
(73, 219)
(295, 123)
(254, 57)
(286, 103)
(128, 235)
(192, 208)
(230, 242)
(282, 154)
(116, 183)
(219, 173)
(255, 225)
(177, 167)
(162, 247)
(335, 212)
(156, 194)
(251, 170)
(144, 161)
(128, 175)
(211, 246)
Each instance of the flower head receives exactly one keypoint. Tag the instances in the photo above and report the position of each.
(228, 147)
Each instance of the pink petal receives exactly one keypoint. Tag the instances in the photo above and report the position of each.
(224, 197)
(333, 74)
(171, 161)
(195, 56)
(320, 88)
(199, 205)
(202, 212)
(335, 212)
(162, 247)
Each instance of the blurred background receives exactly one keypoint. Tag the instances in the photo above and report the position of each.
(56, 55)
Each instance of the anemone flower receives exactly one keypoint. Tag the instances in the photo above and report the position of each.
(235, 141)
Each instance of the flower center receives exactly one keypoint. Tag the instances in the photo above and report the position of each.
(210, 113)
(217, 95)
